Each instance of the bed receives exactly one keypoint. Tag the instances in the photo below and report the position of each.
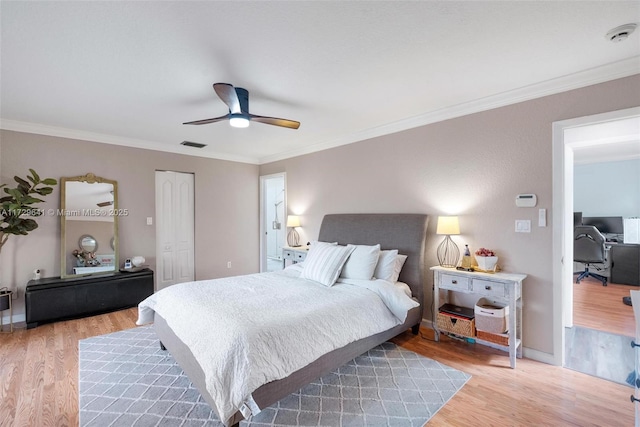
(404, 232)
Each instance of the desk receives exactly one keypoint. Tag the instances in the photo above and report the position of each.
(499, 287)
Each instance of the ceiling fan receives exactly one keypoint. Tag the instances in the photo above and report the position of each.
(237, 99)
(107, 203)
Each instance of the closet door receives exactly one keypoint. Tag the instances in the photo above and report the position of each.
(174, 228)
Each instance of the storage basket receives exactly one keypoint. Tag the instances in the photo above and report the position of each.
(456, 325)
(491, 317)
(502, 339)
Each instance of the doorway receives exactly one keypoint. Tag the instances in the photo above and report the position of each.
(273, 208)
(568, 136)
(175, 220)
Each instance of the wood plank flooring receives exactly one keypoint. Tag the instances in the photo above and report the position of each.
(39, 381)
(600, 307)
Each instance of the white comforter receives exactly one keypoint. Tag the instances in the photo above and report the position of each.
(246, 331)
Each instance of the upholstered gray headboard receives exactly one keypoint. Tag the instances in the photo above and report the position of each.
(405, 232)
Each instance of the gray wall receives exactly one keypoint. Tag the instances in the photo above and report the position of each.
(607, 189)
(226, 205)
(472, 166)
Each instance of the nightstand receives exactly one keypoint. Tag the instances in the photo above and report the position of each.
(499, 287)
(295, 255)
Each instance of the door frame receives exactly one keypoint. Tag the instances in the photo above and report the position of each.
(568, 134)
(263, 201)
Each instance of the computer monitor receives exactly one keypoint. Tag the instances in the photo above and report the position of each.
(577, 218)
(605, 224)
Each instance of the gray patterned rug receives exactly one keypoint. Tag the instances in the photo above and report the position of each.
(126, 380)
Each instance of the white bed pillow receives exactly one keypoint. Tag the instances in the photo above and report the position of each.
(361, 263)
(324, 262)
(386, 264)
(397, 267)
(389, 265)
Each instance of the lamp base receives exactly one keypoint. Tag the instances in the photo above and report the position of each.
(293, 238)
(448, 253)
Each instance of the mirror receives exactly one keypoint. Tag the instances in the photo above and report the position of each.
(89, 225)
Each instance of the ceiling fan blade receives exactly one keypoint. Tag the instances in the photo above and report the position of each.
(207, 121)
(228, 94)
(103, 204)
(285, 123)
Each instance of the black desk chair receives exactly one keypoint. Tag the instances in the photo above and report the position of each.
(589, 248)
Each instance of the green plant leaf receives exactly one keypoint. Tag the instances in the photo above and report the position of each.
(35, 175)
(49, 181)
(22, 181)
(44, 191)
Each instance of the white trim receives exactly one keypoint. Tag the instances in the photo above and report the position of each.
(263, 240)
(17, 318)
(39, 129)
(604, 73)
(615, 70)
(563, 214)
(538, 356)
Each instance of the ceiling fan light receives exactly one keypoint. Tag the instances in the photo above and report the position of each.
(239, 121)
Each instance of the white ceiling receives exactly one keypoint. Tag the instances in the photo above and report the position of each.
(130, 73)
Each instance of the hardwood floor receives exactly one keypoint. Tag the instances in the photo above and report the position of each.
(39, 381)
(600, 307)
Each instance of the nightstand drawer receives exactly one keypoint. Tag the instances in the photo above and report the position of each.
(455, 283)
(489, 288)
(295, 255)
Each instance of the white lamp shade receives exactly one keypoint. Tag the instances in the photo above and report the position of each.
(448, 225)
(293, 221)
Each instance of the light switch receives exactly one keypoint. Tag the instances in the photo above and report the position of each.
(149, 220)
(542, 217)
(523, 226)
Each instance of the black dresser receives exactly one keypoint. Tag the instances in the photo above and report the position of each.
(54, 298)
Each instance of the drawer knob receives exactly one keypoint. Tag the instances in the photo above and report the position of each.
(454, 281)
(487, 287)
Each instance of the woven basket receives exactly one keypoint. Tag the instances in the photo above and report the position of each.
(456, 325)
(502, 339)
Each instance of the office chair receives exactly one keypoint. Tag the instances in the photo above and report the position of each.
(589, 248)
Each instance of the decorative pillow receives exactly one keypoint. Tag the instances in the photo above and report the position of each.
(324, 262)
(386, 265)
(400, 259)
(361, 263)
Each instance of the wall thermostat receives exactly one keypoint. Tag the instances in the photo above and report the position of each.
(526, 200)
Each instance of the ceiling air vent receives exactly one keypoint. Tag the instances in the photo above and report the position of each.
(193, 144)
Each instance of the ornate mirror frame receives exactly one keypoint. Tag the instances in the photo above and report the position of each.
(78, 213)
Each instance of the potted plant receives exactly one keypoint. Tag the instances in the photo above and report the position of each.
(486, 259)
(17, 206)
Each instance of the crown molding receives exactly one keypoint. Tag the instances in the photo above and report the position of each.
(19, 126)
(608, 72)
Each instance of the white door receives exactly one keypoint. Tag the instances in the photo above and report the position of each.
(174, 228)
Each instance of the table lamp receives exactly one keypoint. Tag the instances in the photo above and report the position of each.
(293, 238)
(448, 252)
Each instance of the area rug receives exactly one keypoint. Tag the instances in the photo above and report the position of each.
(126, 380)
